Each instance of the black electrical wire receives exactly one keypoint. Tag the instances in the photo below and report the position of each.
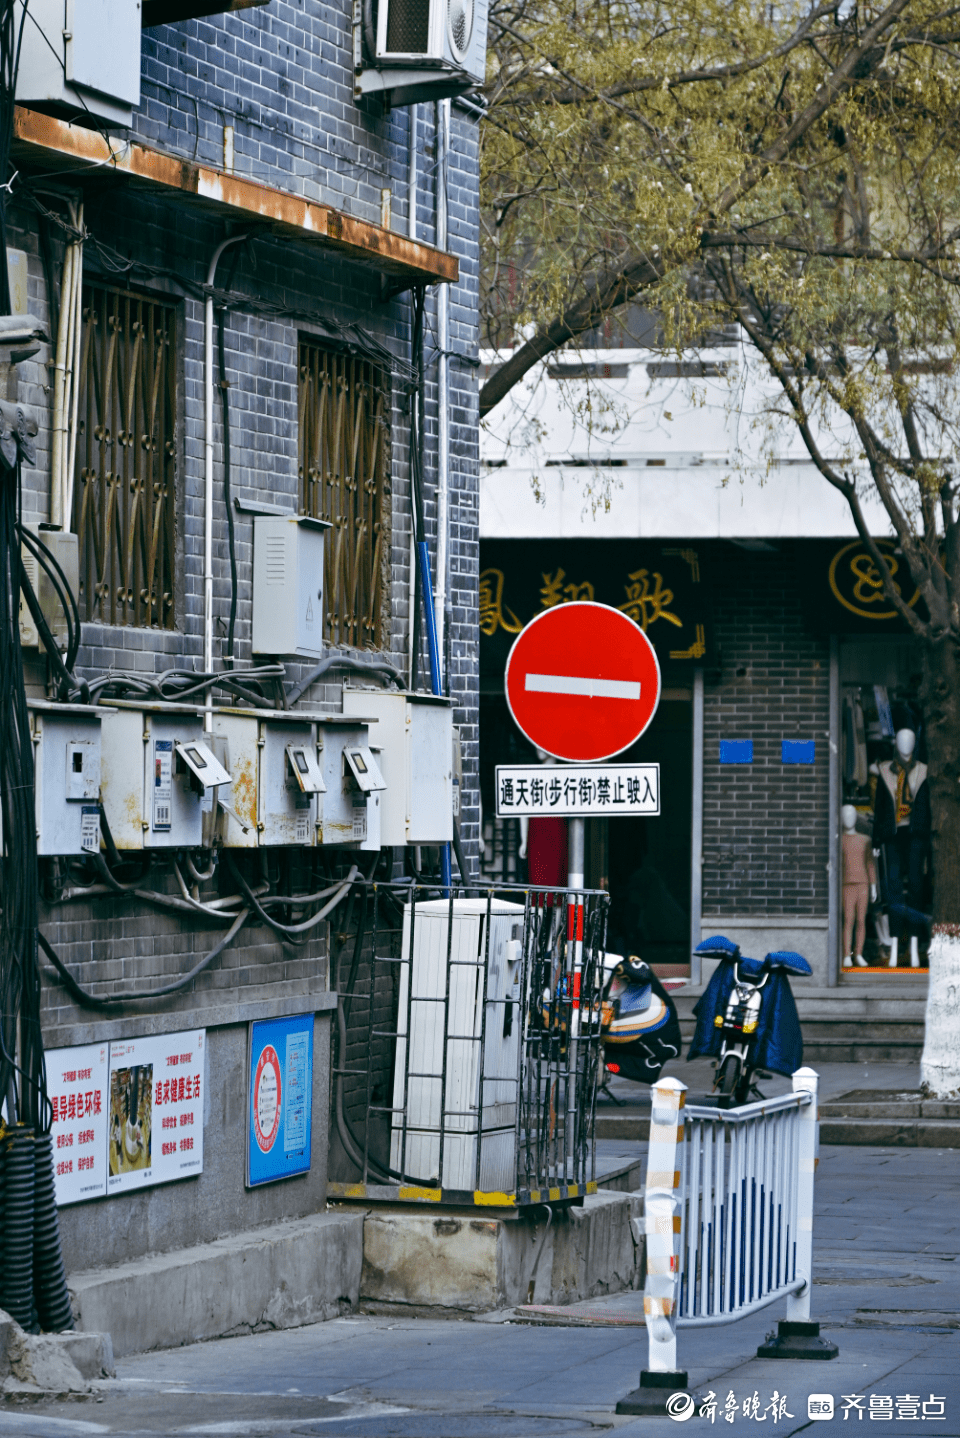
(231, 534)
(108, 1001)
(354, 664)
(286, 931)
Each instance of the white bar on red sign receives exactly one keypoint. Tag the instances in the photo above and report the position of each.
(77, 1087)
(577, 790)
(157, 1091)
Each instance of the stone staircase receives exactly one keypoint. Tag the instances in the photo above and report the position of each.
(874, 1020)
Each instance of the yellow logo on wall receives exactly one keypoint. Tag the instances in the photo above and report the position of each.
(858, 584)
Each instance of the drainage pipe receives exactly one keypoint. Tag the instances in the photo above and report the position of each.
(443, 373)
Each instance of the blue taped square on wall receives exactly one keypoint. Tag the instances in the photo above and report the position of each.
(797, 751)
(736, 751)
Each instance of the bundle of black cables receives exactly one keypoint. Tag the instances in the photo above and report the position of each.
(32, 1283)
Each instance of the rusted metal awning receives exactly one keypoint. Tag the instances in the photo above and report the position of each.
(73, 150)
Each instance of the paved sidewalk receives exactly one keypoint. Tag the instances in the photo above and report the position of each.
(887, 1289)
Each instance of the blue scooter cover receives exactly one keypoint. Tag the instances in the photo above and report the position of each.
(778, 1042)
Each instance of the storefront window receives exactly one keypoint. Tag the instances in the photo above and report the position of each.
(886, 853)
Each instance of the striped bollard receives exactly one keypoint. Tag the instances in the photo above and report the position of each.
(662, 1200)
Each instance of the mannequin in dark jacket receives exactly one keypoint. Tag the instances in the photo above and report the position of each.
(901, 828)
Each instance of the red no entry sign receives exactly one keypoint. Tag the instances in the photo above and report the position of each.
(582, 682)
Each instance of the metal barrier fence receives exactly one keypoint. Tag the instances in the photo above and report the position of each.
(477, 1081)
(728, 1214)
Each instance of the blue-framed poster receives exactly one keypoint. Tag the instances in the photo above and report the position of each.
(279, 1092)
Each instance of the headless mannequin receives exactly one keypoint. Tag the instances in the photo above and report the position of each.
(902, 828)
(859, 884)
(543, 843)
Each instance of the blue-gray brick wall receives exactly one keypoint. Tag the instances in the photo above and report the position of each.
(764, 823)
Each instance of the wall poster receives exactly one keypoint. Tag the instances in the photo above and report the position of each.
(279, 1098)
(157, 1087)
(77, 1086)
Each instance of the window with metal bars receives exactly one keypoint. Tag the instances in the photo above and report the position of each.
(124, 506)
(345, 479)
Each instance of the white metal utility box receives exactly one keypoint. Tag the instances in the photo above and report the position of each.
(415, 738)
(276, 785)
(352, 778)
(444, 1092)
(288, 584)
(66, 748)
(81, 55)
(157, 775)
(64, 548)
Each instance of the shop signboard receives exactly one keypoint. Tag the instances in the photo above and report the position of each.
(77, 1086)
(157, 1090)
(279, 1098)
(582, 682)
(604, 791)
(661, 587)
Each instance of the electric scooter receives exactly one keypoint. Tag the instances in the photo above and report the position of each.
(747, 1018)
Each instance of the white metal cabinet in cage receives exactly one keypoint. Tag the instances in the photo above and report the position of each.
(442, 1009)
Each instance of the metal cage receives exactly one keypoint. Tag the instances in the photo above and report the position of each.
(468, 1044)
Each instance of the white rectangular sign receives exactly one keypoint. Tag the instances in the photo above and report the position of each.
(577, 790)
(77, 1086)
(157, 1088)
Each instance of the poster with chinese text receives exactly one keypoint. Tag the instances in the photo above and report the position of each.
(279, 1098)
(77, 1086)
(157, 1087)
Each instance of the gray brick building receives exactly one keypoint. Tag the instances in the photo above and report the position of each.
(247, 130)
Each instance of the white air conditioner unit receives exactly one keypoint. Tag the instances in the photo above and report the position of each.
(444, 1093)
(421, 49)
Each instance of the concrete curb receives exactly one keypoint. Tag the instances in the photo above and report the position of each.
(51, 1363)
(475, 1263)
(302, 1271)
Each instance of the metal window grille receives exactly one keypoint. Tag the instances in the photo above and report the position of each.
(125, 502)
(345, 479)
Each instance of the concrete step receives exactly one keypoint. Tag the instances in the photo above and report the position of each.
(848, 1024)
(466, 1261)
(301, 1271)
(892, 1133)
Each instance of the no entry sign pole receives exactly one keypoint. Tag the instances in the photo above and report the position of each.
(582, 683)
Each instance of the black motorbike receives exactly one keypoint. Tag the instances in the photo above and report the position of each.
(747, 1018)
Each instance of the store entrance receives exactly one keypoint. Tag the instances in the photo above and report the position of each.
(643, 862)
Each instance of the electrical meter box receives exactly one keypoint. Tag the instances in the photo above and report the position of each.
(66, 749)
(484, 1023)
(351, 775)
(276, 788)
(288, 585)
(158, 775)
(414, 737)
(81, 55)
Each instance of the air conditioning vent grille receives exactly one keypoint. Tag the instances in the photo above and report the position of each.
(408, 27)
(460, 25)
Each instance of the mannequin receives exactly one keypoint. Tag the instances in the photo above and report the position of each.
(901, 827)
(859, 882)
(543, 843)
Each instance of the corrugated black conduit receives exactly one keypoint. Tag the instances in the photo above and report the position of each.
(49, 1279)
(18, 1212)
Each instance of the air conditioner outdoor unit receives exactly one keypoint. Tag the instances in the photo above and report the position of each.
(448, 1093)
(416, 50)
